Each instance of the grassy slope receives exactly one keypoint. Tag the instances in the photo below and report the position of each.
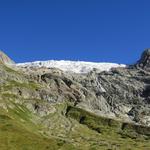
(112, 134)
(18, 132)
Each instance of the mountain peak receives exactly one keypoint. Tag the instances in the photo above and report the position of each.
(5, 59)
(144, 61)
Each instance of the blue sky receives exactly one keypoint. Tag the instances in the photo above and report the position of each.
(90, 30)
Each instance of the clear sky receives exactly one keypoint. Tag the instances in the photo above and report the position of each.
(90, 30)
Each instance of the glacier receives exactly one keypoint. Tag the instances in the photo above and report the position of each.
(72, 66)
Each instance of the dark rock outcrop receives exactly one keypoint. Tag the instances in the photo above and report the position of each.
(144, 61)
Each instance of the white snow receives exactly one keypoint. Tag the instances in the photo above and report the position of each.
(72, 66)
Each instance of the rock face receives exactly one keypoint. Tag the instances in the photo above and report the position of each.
(5, 59)
(121, 93)
(144, 62)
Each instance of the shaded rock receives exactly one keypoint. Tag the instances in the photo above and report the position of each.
(144, 61)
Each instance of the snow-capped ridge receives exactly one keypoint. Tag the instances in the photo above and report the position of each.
(72, 66)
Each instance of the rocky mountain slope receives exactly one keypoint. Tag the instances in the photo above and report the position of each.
(47, 108)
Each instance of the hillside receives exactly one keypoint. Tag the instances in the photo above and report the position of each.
(48, 108)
